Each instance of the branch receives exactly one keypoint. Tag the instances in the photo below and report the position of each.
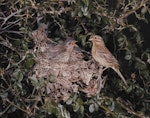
(11, 103)
(57, 12)
(11, 15)
(132, 11)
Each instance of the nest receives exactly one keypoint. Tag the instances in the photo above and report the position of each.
(71, 75)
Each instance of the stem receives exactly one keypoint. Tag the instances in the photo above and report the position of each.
(11, 103)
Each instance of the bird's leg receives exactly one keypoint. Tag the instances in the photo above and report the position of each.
(100, 69)
(100, 85)
(100, 80)
(100, 72)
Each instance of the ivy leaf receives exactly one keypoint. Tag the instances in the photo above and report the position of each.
(91, 108)
(18, 75)
(140, 64)
(144, 9)
(128, 55)
(4, 95)
(34, 80)
(76, 107)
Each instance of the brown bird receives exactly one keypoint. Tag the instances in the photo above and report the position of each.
(60, 52)
(103, 56)
(66, 55)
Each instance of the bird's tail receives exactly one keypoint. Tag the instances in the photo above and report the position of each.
(119, 73)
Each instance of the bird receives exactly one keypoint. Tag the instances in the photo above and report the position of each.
(103, 56)
(66, 55)
(60, 52)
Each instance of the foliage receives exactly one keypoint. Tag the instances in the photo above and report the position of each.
(118, 22)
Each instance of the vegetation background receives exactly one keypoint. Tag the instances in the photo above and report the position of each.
(125, 27)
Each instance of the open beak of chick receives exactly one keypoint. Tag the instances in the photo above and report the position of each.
(73, 43)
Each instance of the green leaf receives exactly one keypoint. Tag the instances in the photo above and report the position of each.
(133, 28)
(63, 112)
(81, 110)
(80, 14)
(91, 108)
(86, 2)
(140, 64)
(69, 101)
(129, 89)
(24, 46)
(34, 80)
(3, 95)
(80, 101)
(105, 19)
(76, 107)
(52, 79)
(144, 10)
(48, 108)
(19, 84)
(112, 106)
(128, 57)
(18, 75)
(29, 62)
(82, 38)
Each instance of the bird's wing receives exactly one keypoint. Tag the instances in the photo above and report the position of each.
(57, 48)
(107, 57)
(53, 50)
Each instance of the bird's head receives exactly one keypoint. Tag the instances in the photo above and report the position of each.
(70, 44)
(96, 39)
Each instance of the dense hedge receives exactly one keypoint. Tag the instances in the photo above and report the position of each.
(124, 25)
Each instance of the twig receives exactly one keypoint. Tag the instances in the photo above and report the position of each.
(7, 44)
(11, 15)
(11, 24)
(11, 31)
(3, 112)
(123, 15)
(57, 12)
(127, 108)
(35, 103)
(132, 11)
(83, 26)
(107, 110)
(11, 103)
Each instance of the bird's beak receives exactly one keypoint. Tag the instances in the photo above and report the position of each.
(74, 43)
(90, 34)
(90, 39)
